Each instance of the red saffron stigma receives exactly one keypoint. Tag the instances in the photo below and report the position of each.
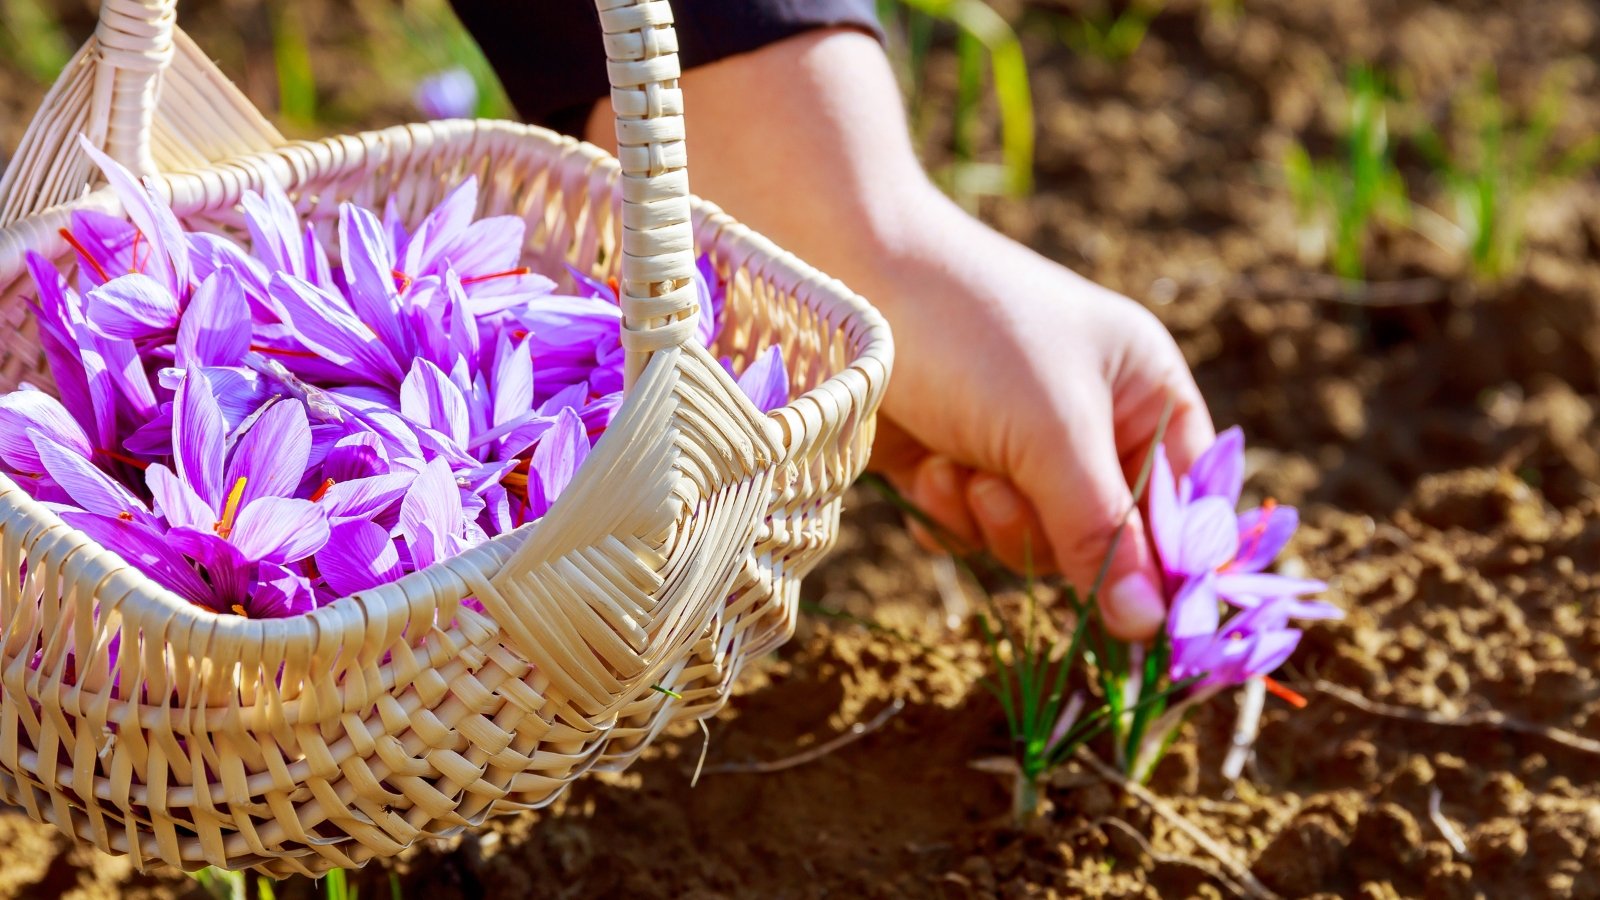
(322, 490)
(509, 273)
(1251, 541)
(123, 458)
(1286, 695)
(125, 516)
(274, 351)
(404, 279)
(506, 274)
(84, 252)
(133, 263)
(616, 287)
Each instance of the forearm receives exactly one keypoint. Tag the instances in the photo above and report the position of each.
(818, 158)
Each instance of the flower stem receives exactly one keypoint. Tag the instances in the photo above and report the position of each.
(1158, 737)
(1025, 797)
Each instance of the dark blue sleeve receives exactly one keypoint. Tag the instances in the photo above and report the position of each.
(549, 56)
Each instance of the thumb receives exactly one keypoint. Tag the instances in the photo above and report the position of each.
(1131, 603)
(1090, 516)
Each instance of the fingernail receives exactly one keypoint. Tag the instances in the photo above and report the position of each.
(996, 500)
(1134, 607)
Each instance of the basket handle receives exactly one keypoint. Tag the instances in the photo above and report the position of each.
(657, 294)
(144, 93)
(136, 46)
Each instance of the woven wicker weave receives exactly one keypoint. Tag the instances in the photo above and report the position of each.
(299, 745)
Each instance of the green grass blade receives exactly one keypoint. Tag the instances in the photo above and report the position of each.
(1009, 69)
(32, 38)
(969, 96)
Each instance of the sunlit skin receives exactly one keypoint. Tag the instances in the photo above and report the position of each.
(1025, 397)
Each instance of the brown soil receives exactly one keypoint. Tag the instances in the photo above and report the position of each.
(1445, 453)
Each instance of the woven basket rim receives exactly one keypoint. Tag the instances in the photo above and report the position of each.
(874, 339)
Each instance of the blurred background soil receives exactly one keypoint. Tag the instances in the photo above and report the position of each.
(1437, 429)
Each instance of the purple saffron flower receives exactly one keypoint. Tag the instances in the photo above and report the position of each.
(231, 510)
(101, 380)
(450, 94)
(455, 396)
(26, 413)
(483, 253)
(167, 258)
(1197, 533)
(433, 522)
(1251, 643)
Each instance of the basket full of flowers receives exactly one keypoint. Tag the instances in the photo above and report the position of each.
(355, 490)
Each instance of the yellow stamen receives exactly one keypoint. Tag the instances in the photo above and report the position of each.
(239, 610)
(231, 510)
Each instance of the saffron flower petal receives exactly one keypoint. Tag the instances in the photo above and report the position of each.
(1219, 471)
(215, 329)
(176, 501)
(133, 307)
(23, 412)
(280, 530)
(359, 556)
(765, 381)
(88, 487)
(273, 454)
(199, 438)
(1208, 537)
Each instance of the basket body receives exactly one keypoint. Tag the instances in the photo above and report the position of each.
(300, 745)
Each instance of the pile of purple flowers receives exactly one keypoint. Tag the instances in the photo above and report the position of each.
(1214, 557)
(266, 430)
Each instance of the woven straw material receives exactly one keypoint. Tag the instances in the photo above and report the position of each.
(304, 744)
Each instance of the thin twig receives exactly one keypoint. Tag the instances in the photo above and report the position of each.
(1449, 831)
(1488, 718)
(1174, 859)
(855, 733)
(1249, 884)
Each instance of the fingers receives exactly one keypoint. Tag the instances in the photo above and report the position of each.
(1009, 525)
(1090, 514)
(1190, 431)
(939, 488)
(1132, 604)
(1144, 394)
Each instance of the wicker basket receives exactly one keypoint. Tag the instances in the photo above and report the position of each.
(304, 744)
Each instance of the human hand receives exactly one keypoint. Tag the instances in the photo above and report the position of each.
(1024, 397)
(1020, 416)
